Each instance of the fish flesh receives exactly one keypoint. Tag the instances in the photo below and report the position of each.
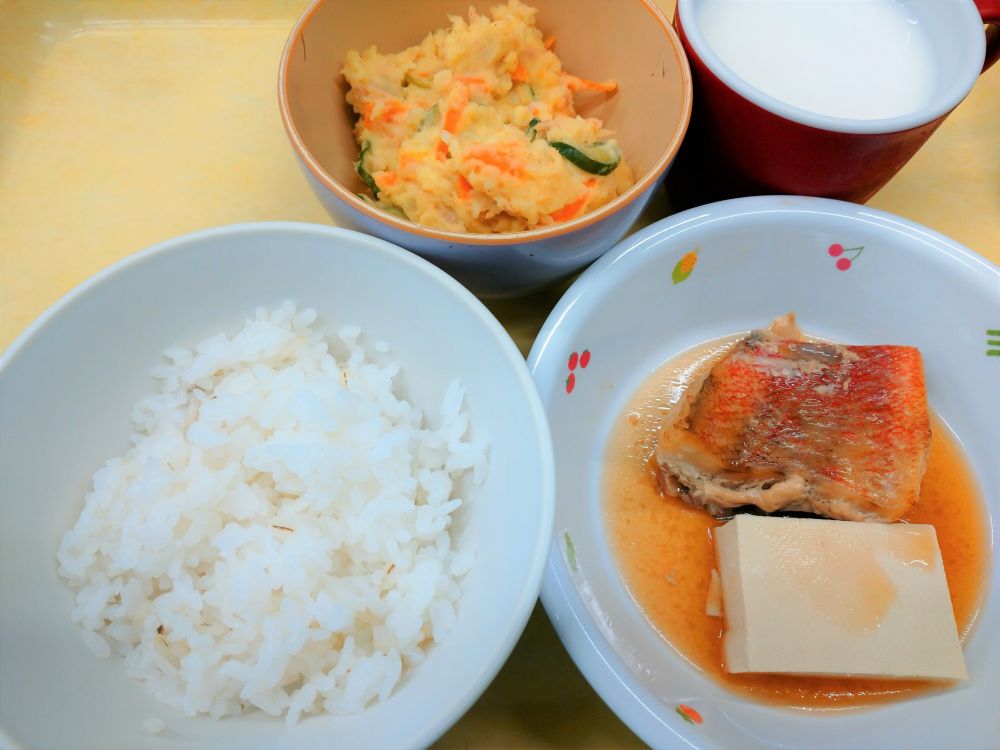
(788, 424)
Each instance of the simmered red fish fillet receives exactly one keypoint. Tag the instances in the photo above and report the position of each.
(787, 424)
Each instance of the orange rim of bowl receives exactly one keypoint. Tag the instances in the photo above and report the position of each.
(476, 238)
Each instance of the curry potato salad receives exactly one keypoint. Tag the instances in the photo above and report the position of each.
(473, 129)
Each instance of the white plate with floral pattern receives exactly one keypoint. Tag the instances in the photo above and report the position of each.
(851, 274)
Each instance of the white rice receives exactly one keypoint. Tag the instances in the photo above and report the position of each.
(278, 535)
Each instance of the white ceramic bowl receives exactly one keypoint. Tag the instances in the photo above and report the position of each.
(66, 386)
(758, 258)
(629, 40)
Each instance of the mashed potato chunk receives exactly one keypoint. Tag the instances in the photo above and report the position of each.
(474, 130)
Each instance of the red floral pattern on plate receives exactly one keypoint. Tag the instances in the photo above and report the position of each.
(838, 251)
(576, 359)
(688, 714)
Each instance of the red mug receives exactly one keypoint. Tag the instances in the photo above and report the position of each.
(744, 142)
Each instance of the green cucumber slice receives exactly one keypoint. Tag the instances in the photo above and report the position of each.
(420, 83)
(530, 130)
(598, 158)
(362, 170)
(432, 116)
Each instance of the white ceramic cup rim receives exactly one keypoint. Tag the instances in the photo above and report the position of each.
(947, 98)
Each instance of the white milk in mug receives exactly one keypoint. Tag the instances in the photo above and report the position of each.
(855, 59)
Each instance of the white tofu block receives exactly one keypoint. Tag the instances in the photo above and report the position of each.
(811, 596)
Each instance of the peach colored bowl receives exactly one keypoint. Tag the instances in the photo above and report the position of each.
(628, 40)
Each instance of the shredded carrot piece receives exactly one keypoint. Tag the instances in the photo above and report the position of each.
(520, 74)
(570, 209)
(385, 179)
(366, 112)
(399, 108)
(591, 182)
(549, 42)
(496, 157)
(464, 187)
(473, 80)
(576, 83)
(388, 112)
(392, 109)
(451, 119)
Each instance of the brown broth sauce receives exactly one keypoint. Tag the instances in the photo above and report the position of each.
(665, 553)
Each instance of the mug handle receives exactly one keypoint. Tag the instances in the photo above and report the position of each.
(990, 11)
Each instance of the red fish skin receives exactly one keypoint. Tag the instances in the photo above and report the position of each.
(852, 420)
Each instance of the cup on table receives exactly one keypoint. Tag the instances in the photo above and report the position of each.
(821, 97)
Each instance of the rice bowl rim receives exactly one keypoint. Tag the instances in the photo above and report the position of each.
(501, 238)
(519, 614)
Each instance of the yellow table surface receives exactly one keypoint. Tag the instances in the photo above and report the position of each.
(125, 123)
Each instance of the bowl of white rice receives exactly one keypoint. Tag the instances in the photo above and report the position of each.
(268, 485)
